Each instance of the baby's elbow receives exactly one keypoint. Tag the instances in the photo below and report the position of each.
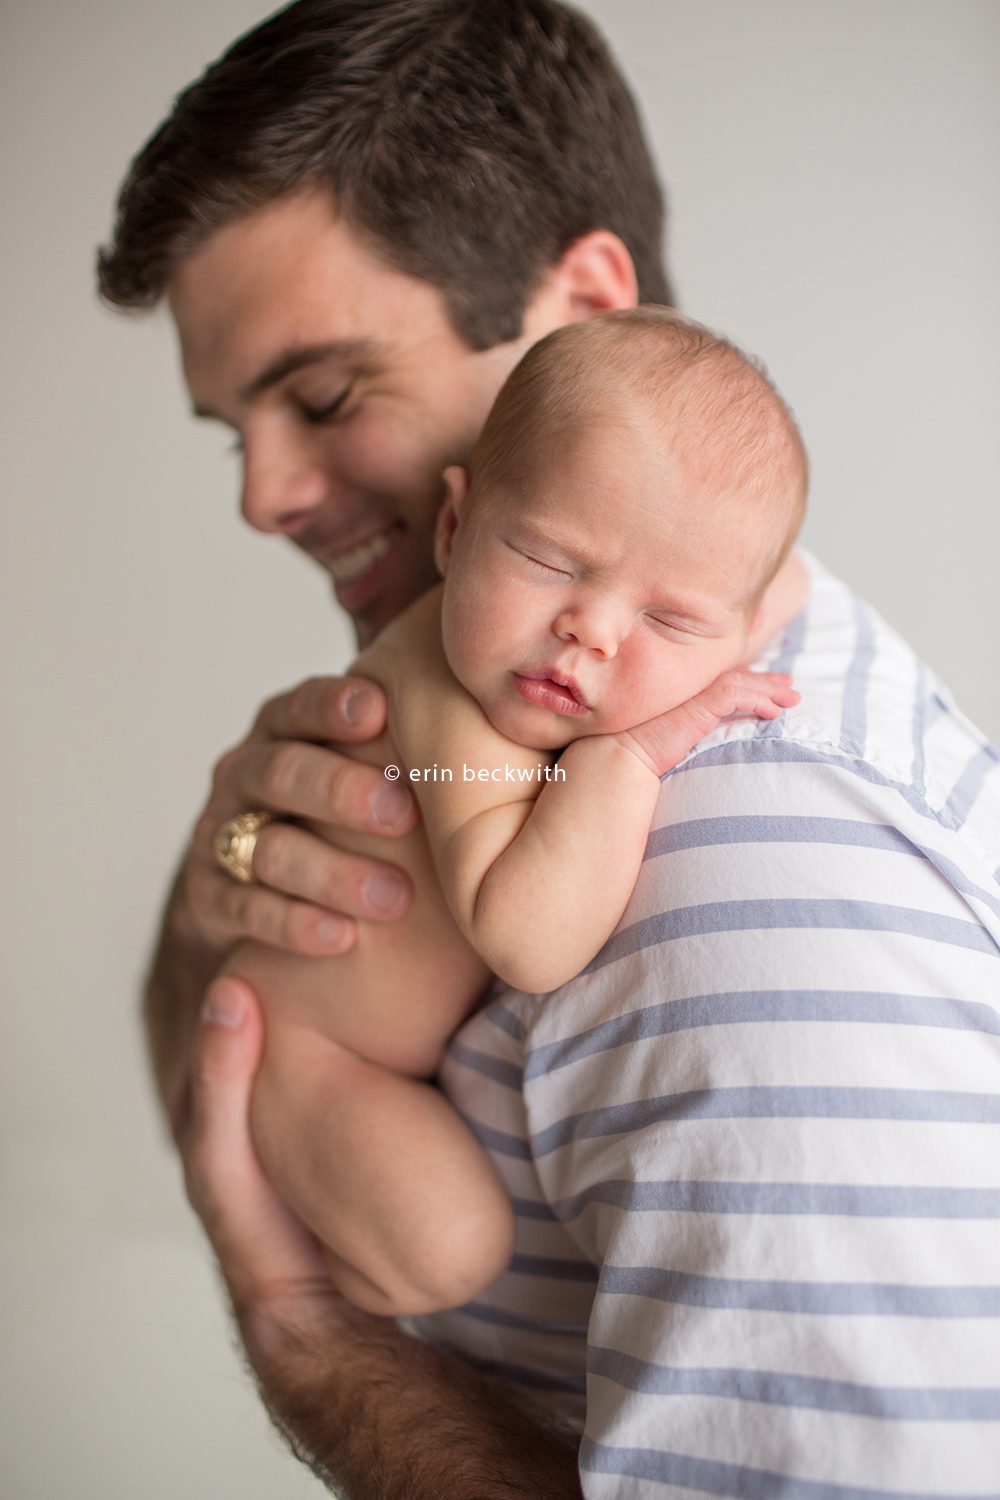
(535, 973)
(531, 957)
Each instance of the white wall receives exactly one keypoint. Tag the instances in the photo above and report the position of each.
(835, 206)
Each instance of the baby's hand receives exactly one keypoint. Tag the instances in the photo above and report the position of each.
(663, 742)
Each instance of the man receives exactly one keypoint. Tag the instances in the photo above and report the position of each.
(747, 1147)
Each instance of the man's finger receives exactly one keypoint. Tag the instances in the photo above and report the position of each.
(293, 860)
(239, 911)
(259, 1244)
(296, 779)
(325, 709)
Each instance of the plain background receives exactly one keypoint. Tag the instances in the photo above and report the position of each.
(834, 206)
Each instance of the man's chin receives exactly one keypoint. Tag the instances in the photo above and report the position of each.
(372, 618)
(388, 588)
(366, 625)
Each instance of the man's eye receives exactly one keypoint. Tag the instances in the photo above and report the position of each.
(317, 414)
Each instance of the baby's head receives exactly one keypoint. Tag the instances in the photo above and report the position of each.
(637, 486)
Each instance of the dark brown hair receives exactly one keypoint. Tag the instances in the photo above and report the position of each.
(470, 142)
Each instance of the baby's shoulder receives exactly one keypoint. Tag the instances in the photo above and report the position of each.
(425, 702)
(408, 645)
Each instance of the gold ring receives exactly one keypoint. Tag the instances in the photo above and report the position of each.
(235, 842)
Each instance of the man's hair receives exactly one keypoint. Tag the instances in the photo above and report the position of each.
(714, 408)
(468, 142)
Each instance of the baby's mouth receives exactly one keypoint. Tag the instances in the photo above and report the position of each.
(551, 689)
(559, 680)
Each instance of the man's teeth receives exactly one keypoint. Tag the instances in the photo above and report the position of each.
(351, 565)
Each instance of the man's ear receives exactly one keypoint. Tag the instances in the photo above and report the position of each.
(594, 275)
(456, 487)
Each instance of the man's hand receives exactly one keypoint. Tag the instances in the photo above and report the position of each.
(309, 891)
(377, 1415)
(663, 742)
(269, 1259)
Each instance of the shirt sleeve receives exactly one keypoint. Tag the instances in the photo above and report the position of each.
(768, 1114)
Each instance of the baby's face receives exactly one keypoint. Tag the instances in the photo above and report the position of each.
(611, 592)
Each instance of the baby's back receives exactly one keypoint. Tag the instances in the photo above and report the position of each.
(406, 985)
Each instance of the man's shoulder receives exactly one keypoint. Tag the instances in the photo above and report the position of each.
(857, 839)
(874, 727)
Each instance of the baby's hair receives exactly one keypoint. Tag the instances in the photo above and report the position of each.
(719, 413)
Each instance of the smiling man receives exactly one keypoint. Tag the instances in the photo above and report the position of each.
(750, 1148)
(348, 385)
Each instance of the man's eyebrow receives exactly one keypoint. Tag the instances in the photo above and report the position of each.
(299, 357)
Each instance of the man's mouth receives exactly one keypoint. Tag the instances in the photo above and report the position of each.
(345, 567)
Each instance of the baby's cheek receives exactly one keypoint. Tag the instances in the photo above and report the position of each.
(653, 685)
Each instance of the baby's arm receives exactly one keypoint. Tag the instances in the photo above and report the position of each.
(538, 884)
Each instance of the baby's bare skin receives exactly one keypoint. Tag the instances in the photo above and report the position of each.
(370, 1157)
(396, 1002)
(602, 598)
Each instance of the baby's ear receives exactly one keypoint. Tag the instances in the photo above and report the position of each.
(456, 487)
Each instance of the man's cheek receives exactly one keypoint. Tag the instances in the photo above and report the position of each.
(384, 457)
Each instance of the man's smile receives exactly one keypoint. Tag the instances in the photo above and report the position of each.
(344, 566)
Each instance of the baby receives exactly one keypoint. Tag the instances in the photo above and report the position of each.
(637, 487)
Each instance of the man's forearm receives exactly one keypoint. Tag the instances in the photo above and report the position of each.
(380, 1416)
(183, 966)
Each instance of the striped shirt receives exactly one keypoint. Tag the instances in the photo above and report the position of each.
(754, 1148)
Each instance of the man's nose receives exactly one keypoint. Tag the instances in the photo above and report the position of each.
(283, 483)
(595, 625)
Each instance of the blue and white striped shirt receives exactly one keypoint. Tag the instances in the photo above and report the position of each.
(755, 1147)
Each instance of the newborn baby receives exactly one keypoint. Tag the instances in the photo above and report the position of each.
(636, 490)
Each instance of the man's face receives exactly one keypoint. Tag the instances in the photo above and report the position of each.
(603, 590)
(347, 386)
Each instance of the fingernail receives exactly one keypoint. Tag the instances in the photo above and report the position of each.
(224, 1006)
(390, 804)
(330, 932)
(356, 704)
(383, 891)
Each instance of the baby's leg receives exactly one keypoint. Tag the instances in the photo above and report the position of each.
(383, 1171)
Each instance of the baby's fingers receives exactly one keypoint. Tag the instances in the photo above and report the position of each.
(740, 693)
(663, 742)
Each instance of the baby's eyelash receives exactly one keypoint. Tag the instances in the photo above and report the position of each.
(545, 567)
(534, 561)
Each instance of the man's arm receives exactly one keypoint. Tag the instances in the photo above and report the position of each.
(309, 892)
(377, 1415)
